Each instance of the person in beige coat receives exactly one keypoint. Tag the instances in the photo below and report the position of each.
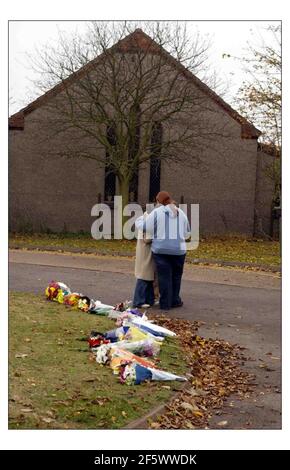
(144, 272)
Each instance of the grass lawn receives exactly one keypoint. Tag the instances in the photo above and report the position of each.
(240, 249)
(54, 383)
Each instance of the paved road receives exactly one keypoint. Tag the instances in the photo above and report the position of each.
(241, 307)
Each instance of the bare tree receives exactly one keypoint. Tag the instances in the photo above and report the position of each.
(259, 99)
(117, 84)
(260, 96)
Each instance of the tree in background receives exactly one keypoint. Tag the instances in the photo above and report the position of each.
(120, 87)
(259, 98)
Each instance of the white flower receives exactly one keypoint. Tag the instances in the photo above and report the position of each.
(102, 355)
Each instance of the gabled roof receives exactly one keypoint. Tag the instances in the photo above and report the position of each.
(16, 121)
(131, 43)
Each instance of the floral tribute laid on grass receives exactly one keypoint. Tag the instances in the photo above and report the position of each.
(54, 383)
(126, 347)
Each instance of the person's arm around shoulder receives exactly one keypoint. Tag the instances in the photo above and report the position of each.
(146, 223)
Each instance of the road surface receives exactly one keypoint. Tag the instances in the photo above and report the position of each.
(239, 306)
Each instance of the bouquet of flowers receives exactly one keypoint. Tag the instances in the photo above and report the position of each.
(56, 291)
(146, 347)
(122, 318)
(132, 373)
(118, 309)
(72, 300)
(118, 334)
(98, 308)
(136, 312)
(151, 328)
(60, 296)
(128, 373)
(103, 353)
(136, 334)
(121, 356)
(84, 303)
(97, 339)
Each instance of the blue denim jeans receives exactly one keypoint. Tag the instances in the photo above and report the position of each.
(144, 293)
(169, 271)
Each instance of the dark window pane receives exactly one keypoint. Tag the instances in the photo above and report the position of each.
(133, 150)
(155, 162)
(110, 177)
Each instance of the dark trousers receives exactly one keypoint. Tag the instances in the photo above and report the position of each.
(169, 271)
(144, 293)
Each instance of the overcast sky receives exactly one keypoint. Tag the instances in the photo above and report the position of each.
(229, 37)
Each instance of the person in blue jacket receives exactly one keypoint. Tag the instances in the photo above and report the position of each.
(168, 227)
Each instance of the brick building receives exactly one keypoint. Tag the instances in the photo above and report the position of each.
(49, 192)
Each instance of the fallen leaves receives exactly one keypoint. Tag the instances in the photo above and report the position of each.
(222, 423)
(215, 374)
(187, 406)
(100, 401)
(189, 425)
(266, 367)
(154, 425)
(47, 420)
(26, 410)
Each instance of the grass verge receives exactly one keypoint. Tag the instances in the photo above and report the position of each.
(236, 249)
(55, 384)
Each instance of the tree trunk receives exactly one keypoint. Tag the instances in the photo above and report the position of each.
(124, 192)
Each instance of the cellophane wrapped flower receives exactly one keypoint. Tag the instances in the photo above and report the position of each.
(151, 328)
(65, 289)
(122, 318)
(118, 334)
(98, 308)
(56, 291)
(135, 311)
(147, 347)
(52, 290)
(151, 348)
(135, 334)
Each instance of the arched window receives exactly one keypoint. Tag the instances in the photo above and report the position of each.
(155, 162)
(110, 177)
(134, 144)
